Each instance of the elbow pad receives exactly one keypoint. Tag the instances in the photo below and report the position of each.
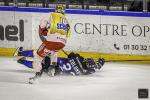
(43, 31)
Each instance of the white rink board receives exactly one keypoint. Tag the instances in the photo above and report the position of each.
(112, 30)
(12, 19)
(90, 33)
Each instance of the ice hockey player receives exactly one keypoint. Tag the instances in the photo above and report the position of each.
(76, 65)
(55, 28)
(73, 65)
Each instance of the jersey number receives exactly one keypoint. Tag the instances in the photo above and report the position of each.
(62, 25)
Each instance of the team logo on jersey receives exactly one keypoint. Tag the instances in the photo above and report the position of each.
(62, 25)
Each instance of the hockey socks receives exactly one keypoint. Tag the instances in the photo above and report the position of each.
(27, 53)
(28, 64)
(25, 62)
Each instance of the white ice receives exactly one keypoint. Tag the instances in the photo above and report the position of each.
(115, 81)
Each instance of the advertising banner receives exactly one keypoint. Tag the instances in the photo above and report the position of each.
(110, 34)
(15, 30)
(96, 32)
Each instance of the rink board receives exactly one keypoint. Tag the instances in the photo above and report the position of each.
(112, 35)
(138, 59)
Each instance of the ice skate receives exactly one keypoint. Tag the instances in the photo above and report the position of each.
(51, 71)
(21, 60)
(18, 51)
(33, 80)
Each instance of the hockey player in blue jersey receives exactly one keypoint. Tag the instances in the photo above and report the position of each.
(73, 65)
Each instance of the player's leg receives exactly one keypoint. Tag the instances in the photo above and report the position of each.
(38, 58)
(37, 68)
(26, 53)
(25, 62)
(53, 48)
(53, 63)
(46, 63)
(28, 63)
(51, 69)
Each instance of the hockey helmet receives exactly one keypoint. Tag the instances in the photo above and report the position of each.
(60, 9)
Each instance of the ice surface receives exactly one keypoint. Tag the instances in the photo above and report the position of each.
(115, 81)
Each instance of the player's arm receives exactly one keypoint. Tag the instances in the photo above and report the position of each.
(44, 25)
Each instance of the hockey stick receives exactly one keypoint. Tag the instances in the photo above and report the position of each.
(64, 52)
(124, 60)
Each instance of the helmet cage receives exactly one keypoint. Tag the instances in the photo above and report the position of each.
(60, 9)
